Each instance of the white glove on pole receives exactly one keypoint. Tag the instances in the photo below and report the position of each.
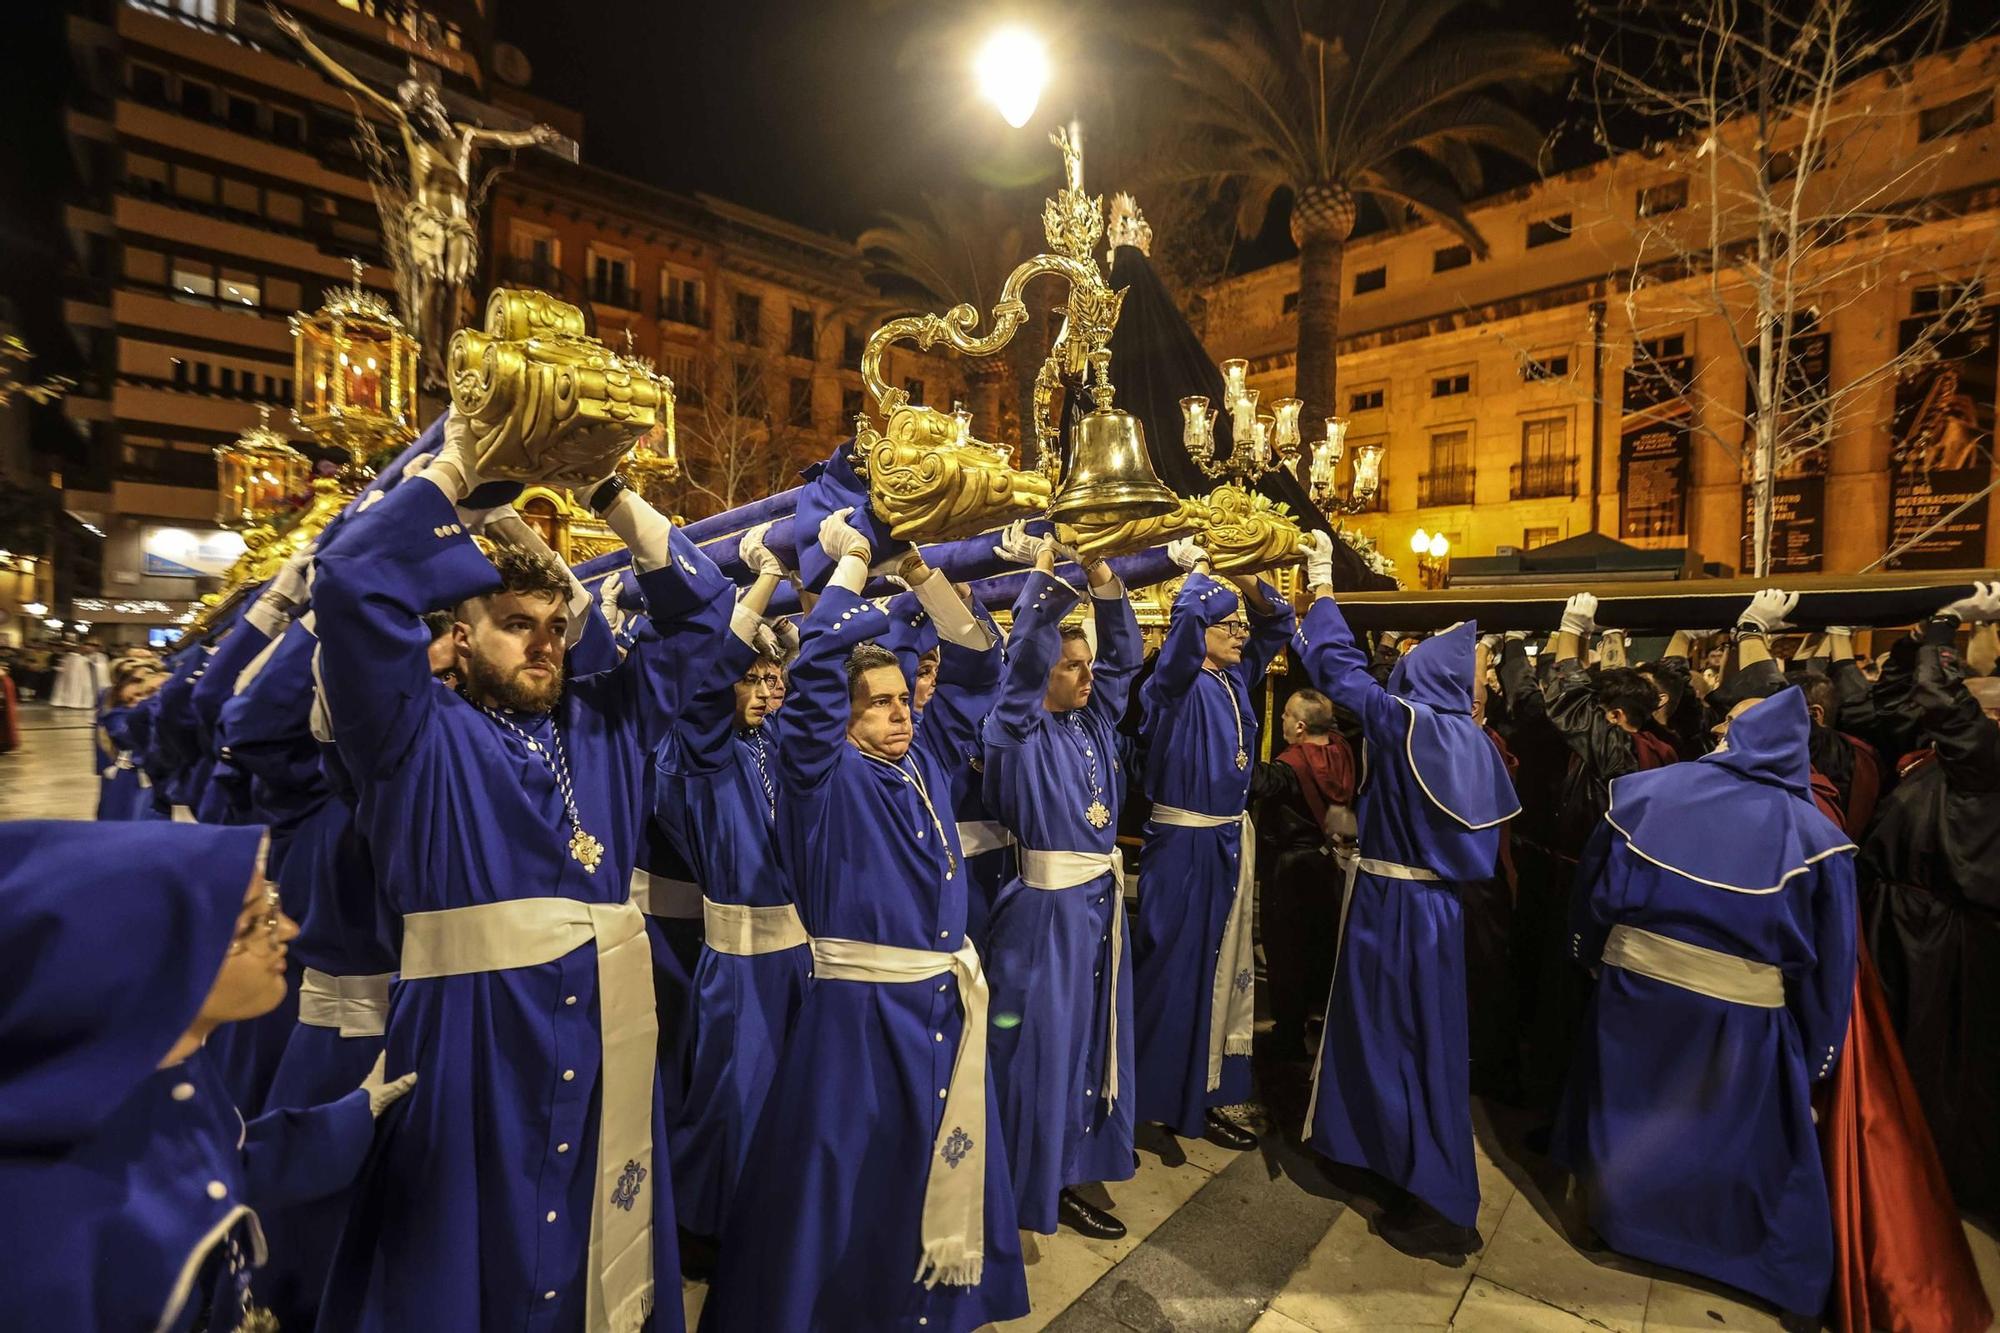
(838, 537)
(608, 592)
(1580, 614)
(289, 584)
(756, 556)
(381, 1095)
(1186, 552)
(1319, 560)
(1768, 609)
(454, 470)
(1983, 604)
(1017, 545)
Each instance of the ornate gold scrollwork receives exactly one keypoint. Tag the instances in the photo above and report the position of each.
(545, 402)
(930, 482)
(1247, 533)
(1101, 542)
(1073, 222)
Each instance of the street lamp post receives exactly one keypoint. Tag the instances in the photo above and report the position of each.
(1433, 552)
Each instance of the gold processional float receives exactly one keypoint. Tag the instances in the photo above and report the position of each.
(551, 407)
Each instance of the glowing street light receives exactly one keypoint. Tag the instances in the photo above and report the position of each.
(1439, 547)
(36, 609)
(1012, 69)
(1420, 542)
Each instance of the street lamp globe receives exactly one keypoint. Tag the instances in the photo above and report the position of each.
(1420, 542)
(1439, 547)
(1012, 68)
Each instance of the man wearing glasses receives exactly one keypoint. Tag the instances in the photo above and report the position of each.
(717, 803)
(1193, 972)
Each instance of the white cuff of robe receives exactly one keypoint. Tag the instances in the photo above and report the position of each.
(955, 623)
(644, 530)
(268, 616)
(744, 624)
(849, 572)
(1110, 592)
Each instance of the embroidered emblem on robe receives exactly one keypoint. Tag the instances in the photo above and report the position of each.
(956, 1146)
(627, 1192)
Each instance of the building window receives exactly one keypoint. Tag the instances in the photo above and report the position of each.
(749, 318)
(228, 382)
(1371, 279)
(241, 198)
(242, 114)
(1536, 538)
(850, 407)
(145, 176)
(286, 209)
(1367, 400)
(1947, 296)
(851, 344)
(1552, 367)
(1666, 197)
(681, 299)
(1449, 481)
(1665, 348)
(193, 283)
(148, 267)
(1450, 257)
(1450, 386)
(201, 371)
(1290, 304)
(239, 288)
(148, 84)
(197, 99)
(749, 389)
(1547, 231)
(611, 281)
(801, 413)
(915, 389)
(804, 333)
(1971, 112)
(282, 294)
(687, 383)
(180, 372)
(1546, 467)
(288, 128)
(193, 185)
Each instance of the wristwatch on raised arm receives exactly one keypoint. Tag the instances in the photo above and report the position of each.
(607, 494)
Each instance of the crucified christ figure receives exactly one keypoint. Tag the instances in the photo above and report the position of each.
(440, 243)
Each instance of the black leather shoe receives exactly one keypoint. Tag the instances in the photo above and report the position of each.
(1422, 1233)
(1227, 1134)
(1086, 1219)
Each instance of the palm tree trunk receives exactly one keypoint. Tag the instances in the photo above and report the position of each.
(1320, 252)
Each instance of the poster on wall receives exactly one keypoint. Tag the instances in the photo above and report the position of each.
(1941, 447)
(1798, 485)
(1655, 454)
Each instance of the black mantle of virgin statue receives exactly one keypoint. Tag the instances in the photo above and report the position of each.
(1156, 360)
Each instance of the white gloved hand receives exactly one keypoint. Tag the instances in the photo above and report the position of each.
(757, 557)
(1186, 552)
(765, 640)
(1066, 552)
(289, 584)
(1768, 609)
(1580, 614)
(456, 458)
(1018, 546)
(838, 537)
(1983, 604)
(1491, 643)
(1319, 560)
(607, 602)
(787, 634)
(381, 1095)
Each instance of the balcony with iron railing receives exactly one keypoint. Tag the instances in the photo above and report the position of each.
(1445, 486)
(1542, 478)
(691, 313)
(617, 295)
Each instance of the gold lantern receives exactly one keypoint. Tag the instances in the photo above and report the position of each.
(355, 377)
(259, 476)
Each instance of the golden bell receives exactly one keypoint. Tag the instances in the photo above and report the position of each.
(1110, 477)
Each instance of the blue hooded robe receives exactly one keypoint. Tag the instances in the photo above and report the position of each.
(1687, 1116)
(1392, 1089)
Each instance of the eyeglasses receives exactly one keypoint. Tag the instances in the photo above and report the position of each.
(269, 918)
(768, 681)
(1235, 629)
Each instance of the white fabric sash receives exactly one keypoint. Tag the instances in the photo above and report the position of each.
(527, 932)
(1352, 866)
(953, 1232)
(748, 931)
(670, 899)
(976, 836)
(357, 1006)
(1721, 976)
(1232, 1007)
(1066, 870)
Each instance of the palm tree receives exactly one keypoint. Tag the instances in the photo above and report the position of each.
(1335, 101)
(960, 248)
